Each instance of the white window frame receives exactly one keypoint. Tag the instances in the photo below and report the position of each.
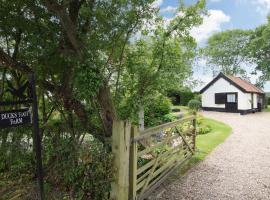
(231, 98)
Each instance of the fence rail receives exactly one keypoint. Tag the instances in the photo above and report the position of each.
(144, 159)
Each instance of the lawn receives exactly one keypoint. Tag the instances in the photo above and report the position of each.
(267, 109)
(182, 108)
(206, 143)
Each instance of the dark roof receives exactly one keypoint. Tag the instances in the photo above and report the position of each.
(240, 83)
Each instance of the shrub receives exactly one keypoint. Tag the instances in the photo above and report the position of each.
(194, 105)
(204, 129)
(158, 111)
(182, 97)
(86, 172)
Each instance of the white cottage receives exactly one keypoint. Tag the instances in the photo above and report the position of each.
(232, 94)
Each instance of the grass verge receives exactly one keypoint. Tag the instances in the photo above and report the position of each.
(183, 108)
(267, 109)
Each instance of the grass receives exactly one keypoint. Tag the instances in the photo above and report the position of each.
(206, 143)
(267, 109)
(184, 108)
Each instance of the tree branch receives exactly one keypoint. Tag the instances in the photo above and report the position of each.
(7, 62)
(69, 26)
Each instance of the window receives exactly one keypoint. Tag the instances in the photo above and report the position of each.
(220, 98)
(231, 98)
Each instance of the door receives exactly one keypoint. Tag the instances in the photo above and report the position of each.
(231, 104)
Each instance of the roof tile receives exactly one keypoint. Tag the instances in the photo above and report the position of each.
(247, 86)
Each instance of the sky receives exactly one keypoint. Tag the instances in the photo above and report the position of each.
(223, 15)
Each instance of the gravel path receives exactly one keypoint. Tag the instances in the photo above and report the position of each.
(238, 169)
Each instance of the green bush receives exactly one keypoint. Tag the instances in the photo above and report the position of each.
(85, 171)
(181, 97)
(158, 111)
(194, 105)
(204, 129)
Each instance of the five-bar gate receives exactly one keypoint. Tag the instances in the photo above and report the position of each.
(144, 159)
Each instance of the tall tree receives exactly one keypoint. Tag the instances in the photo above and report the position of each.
(158, 61)
(259, 50)
(225, 51)
(78, 47)
(65, 41)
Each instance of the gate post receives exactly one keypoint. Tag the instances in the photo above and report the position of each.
(194, 132)
(133, 165)
(120, 150)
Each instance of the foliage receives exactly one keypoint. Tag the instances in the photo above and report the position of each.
(181, 96)
(258, 50)
(194, 105)
(225, 51)
(267, 109)
(202, 126)
(158, 111)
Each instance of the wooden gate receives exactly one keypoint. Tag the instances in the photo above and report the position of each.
(144, 159)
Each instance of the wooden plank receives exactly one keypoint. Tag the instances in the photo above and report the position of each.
(133, 165)
(120, 150)
(167, 156)
(155, 130)
(161, 179)
(141, 184)
(149, 149)
(184, 139)
(163, 143)
(154, 167)
(194, 133)
(154, 174)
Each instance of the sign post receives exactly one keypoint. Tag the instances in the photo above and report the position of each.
(13, 118)
(36, 135)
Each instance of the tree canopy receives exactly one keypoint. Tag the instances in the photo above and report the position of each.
(259, 50)
(226, 51)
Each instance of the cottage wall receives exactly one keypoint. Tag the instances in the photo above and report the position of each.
(223, 86)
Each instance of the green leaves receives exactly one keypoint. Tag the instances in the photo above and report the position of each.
(225, 51)
(259, 50)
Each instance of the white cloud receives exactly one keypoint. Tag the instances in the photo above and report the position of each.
(157, 3)
(211, 24)
(168, 9)
(215, 0)
(262, 6)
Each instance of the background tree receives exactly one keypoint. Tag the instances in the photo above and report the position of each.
(259, 51)
(225, 51)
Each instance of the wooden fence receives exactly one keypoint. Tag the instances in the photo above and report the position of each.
(144, 159)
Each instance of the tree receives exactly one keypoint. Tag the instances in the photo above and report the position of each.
(259, 50)
(85, 42)
(225, 51)
(160, 61)
(70, 42)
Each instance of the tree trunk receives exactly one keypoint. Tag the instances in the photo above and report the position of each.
(107, 111)
(141, 117)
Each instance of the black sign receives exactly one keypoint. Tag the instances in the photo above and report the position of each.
(14, 118)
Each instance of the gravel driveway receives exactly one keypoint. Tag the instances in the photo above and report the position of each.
(237, 169)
